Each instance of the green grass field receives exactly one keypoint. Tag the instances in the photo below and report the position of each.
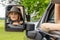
(10, 35)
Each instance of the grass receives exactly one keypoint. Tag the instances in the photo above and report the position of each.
(4, 35)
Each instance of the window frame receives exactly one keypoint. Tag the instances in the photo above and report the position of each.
(46, 15)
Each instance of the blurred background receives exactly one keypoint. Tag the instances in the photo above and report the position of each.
(35, 8)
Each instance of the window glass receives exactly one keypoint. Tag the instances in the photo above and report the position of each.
(51, 17)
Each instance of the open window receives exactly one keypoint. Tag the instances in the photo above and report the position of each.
(51, 17)
(14, 18)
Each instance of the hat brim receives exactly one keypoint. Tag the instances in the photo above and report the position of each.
(11, 11)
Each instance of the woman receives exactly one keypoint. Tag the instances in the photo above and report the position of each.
(15, 16)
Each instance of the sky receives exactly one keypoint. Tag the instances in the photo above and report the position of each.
(2, 11)
(3, 6)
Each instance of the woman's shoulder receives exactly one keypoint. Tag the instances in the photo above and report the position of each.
(55, 1)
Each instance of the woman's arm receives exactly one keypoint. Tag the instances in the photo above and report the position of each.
(57, 13)
(50, 27)
(21, 22)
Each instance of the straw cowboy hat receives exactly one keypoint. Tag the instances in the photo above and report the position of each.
(14, 9)
(55, 1)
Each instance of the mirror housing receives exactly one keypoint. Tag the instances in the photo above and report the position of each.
(30, 26)
(34, 35)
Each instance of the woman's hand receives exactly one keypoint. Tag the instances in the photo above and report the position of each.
(21, 22)
(45, 27)
(16, 23)
(50, 27)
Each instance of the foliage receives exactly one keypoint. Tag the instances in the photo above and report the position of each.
(35, 7)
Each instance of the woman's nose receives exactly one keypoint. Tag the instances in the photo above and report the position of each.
(13, 14)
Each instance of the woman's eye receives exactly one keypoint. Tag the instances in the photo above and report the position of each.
(11, 13)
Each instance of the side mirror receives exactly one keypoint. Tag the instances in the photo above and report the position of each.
(30, 33)
(15, 18)
(30, 26)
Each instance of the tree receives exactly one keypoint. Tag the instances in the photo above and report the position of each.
(35, 7)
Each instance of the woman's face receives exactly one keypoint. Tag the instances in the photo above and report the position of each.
(13, 16)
